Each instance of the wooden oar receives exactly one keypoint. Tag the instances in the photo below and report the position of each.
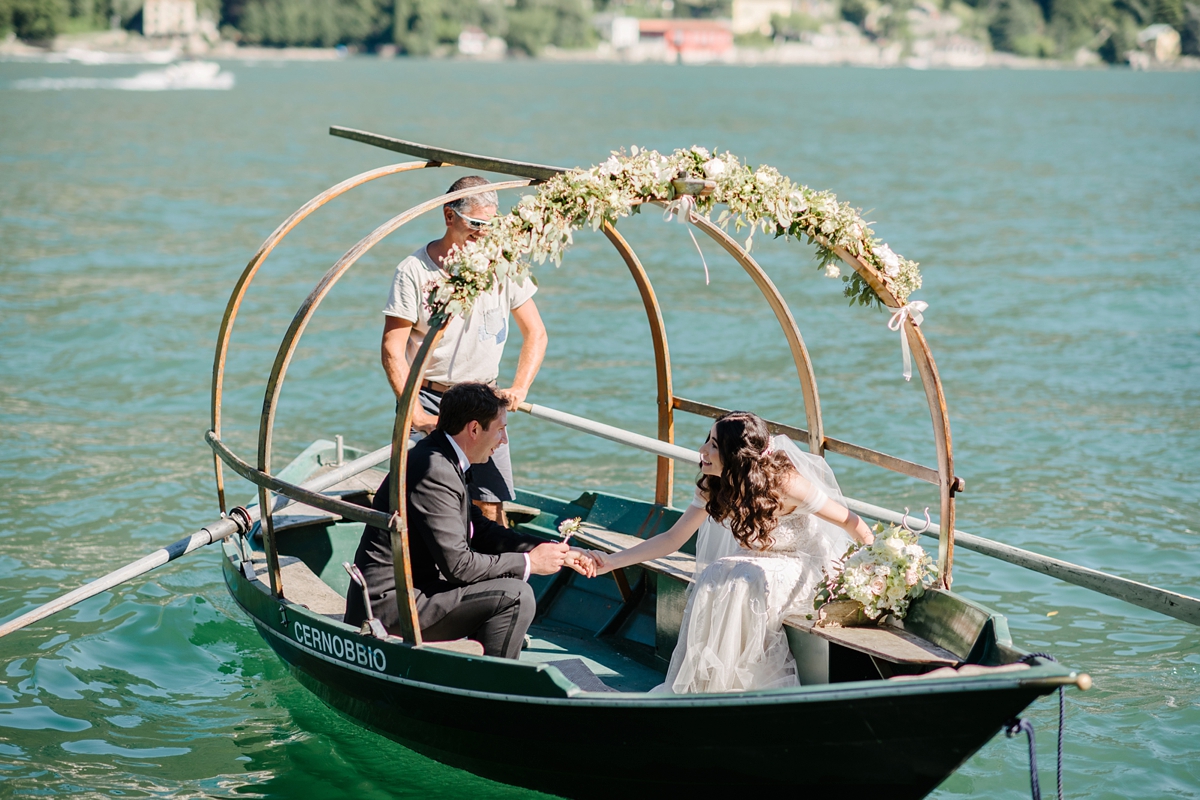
(216, 532)
(1173, 604)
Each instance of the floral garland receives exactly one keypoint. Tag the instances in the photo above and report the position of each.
(541, 226)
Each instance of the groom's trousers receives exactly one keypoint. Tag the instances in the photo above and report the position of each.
(496, 613)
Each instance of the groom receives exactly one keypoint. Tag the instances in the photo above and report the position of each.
(469, 573)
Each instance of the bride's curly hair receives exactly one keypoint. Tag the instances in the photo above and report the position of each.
(747, 495)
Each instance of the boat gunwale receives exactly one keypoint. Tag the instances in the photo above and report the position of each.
(1043, 678)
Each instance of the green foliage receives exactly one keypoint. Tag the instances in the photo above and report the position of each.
(1122, 32)
(856, 11)
(322, 23)
(530, 29)
(703, 9)
(753, 39)
(1189, 34)
(1169, 11)
(1074, 23)
(533, 24)
(36, 19)
(791, 27)
(1017, 26)
(419, 26)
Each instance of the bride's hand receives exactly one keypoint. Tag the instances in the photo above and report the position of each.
(603, 562)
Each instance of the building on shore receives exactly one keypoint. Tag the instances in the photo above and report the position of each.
(754, 16)
(169, 18)
(688, 40)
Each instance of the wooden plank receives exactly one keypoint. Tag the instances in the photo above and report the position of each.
(890, 644)
(304, 587)
(523, 169)
(468, 647)
(910, 468)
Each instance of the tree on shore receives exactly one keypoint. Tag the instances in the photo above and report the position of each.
(36, 20)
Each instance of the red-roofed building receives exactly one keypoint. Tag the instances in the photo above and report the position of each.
(689, 39)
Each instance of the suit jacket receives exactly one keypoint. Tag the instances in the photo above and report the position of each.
(451, 544)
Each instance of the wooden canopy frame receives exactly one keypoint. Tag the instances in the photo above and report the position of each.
(667, 401)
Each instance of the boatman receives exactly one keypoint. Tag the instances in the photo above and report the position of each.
(469, 573)
(471, 348)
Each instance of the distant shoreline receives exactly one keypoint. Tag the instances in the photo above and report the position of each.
(80, 49)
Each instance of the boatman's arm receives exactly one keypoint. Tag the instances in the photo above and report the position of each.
(396, 331)
(533, 350)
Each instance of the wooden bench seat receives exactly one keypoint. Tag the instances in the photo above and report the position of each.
(304, 587)
(884, 642)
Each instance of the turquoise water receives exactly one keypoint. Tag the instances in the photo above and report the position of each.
(1054, 215)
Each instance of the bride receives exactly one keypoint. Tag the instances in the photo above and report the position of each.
(769, 518)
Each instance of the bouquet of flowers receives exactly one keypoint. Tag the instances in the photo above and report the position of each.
(569, 527)
(885, 577)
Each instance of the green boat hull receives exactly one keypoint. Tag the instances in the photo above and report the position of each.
(528, 725)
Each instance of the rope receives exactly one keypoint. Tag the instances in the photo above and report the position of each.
(1016, 726)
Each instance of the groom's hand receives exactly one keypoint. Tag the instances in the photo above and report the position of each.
(548, 558)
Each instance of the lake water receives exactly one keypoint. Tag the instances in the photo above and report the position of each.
(1054, 214)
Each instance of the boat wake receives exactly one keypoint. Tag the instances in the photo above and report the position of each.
(187, 75)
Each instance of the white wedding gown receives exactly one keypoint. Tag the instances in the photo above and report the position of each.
(732, 638)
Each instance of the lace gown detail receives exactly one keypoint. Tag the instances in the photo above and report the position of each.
(731, 638)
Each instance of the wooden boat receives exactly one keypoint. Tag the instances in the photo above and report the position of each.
(912, 701)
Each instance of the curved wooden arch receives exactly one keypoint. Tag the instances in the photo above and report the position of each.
(291, 339)
(665, 476)
(251, 270)
(410, 626)
(932, 383)
(925, 365)
(808, 379)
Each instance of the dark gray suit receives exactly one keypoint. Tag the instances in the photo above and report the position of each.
(468, 571)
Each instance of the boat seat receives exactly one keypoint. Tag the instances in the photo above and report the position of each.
(884, 642)
(466, 646)
(302, 586)
(355, 489)
(677, 565)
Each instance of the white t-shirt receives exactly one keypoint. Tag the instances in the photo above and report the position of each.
(471, 347)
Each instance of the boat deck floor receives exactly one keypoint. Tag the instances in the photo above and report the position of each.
(552, 643)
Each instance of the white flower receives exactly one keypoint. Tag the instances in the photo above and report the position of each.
(910, 577)
(765, 178)
(832, 271)
(796, 202)
(612, 166)
(890, 261)
(714, 168)
(700, 151)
